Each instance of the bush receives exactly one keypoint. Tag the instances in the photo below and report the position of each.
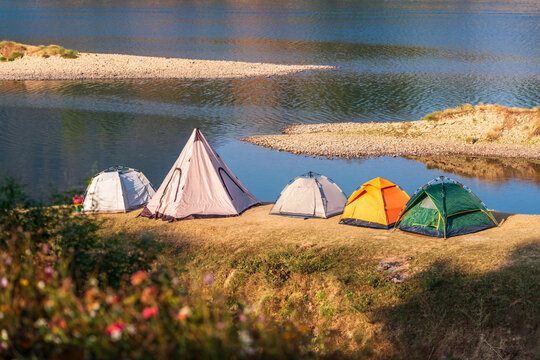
(70, 54)
(66, 292)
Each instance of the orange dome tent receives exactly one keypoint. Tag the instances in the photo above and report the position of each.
(375, 204)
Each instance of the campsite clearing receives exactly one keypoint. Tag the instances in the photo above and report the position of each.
(482, 130)
(334, 288)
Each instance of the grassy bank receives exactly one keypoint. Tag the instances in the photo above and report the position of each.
(260, 287)
(10, 51)
(473, 297)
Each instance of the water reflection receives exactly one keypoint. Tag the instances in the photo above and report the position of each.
(491, 169)
(259, 105)
(396, 61)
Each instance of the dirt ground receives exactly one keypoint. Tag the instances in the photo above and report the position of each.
(258, 231)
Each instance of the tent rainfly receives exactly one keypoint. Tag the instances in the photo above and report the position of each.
(310, 195)
(117, 189)
(199, 185)
(444, 208)
(375, 204)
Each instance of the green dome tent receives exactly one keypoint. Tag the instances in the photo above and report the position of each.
(444, 208)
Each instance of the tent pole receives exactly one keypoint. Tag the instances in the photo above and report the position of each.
(444, 208)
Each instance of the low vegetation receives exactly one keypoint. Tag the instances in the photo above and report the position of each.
(68, 292)
(491, 122)
(10, 51)
(259, 286)
(466, 124)
(460, 110)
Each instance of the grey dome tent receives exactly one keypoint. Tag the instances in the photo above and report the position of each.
(199, 185)
(117, 189)
(444, 208)
(310, 195)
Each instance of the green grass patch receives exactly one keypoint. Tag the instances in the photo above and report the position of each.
(435, 116)
(15, 50)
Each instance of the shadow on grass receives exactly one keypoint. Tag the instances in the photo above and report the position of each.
(448, 313)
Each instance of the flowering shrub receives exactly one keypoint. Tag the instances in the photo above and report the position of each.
(57, 306)
(42, 315)
(78, 199)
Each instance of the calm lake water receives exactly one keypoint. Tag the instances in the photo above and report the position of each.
(397, 61)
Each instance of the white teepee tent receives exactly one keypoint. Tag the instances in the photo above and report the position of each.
(117, 189)
(310, 195)
(198, 185)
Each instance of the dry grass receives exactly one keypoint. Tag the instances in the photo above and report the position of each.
(261, 232)
(491, 131)
(465, 123)
(11, 50)
(333, 287)
(494, 133)
(534, 129)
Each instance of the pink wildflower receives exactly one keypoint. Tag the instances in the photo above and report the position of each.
(4, 282)
(138, 277)
(114, 328)
(184, 313)
(149, 312)
(148, 294)
(112, 299)
(209, 279)
(242, 318)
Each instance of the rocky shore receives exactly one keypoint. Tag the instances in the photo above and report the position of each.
(115, 66)
(482, 131)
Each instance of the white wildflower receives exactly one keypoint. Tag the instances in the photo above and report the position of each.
(116, 335)
(41, 322)
(247, 341)
(130, 329)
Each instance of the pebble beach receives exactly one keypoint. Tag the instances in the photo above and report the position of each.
(484, 131)
(89, 66)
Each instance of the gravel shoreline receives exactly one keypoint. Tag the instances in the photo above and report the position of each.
(358, 146)
(90, 66)
(482, 131)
